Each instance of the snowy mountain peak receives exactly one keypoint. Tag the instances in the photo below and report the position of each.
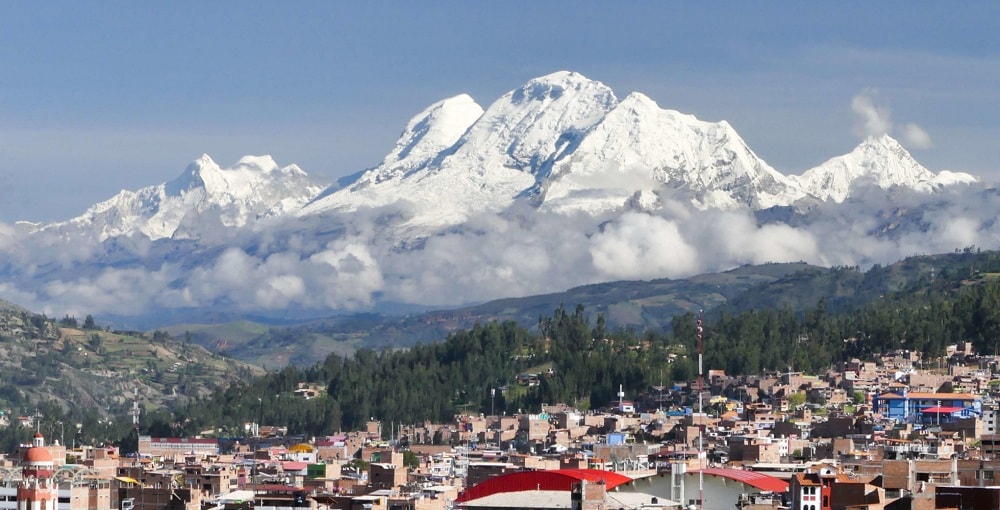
(640, 146)
(426, 136)
(878, 160)
(205, 161)
(502, 152)
(561, 142)
(263, 164)
(556, 183)
(202, 196)
(529, 127)
(552, 86)
(251, 175)
(433, 130)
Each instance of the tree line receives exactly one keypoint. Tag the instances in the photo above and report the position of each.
(436, 381)
(479, 370)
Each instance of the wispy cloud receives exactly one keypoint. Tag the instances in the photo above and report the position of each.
(915, 136)
(870, 119)
(873, 119)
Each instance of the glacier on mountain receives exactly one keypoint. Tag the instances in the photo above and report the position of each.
(640, 147)
(880, 161)
(561, 142)
(500, 155)
(565, 143)
(557, 183)
(256, 187)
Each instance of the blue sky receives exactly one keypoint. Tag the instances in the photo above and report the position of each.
(100, 96)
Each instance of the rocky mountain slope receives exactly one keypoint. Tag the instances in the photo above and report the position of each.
(43, 360)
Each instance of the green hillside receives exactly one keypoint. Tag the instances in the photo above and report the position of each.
(70, 365)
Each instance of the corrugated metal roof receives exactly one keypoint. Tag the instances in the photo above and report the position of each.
(554, 480)
(752, 478)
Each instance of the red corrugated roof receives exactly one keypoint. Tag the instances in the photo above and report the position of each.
(942, 409)
(555, 480)
(756, 479)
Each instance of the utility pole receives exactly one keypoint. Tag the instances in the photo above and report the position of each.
(701, 417)
(260, 414)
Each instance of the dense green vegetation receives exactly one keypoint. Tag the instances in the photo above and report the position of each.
(922, 304)
(640, 305)
(438, 380)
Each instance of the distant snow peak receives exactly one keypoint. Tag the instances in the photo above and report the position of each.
(555, 181)
(203, 197)
(880, 161)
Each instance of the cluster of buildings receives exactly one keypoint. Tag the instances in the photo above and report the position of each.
(886, 434)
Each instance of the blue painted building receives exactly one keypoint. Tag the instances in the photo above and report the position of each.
(914, 407)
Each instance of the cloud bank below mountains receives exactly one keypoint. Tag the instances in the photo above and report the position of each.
(519, 252)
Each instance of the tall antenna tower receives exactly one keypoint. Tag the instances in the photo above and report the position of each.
(701, 415)
(135, 407)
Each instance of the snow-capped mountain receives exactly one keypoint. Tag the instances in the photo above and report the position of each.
(879, 161)
(639, 147)
(557, 183)
(204, 195)
(561, 142)
(568, 144)
(499, 154)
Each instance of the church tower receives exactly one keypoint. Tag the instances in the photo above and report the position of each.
(38, 490)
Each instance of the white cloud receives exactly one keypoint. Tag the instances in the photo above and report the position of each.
(520, 252)
(915, 136)
(641, 246)
(871, 119)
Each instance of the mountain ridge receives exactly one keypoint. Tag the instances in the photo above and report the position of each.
(232, 197)
(555, 184)
(561, 140)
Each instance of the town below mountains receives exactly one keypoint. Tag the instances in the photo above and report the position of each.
(555, 185)
(242, 337)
